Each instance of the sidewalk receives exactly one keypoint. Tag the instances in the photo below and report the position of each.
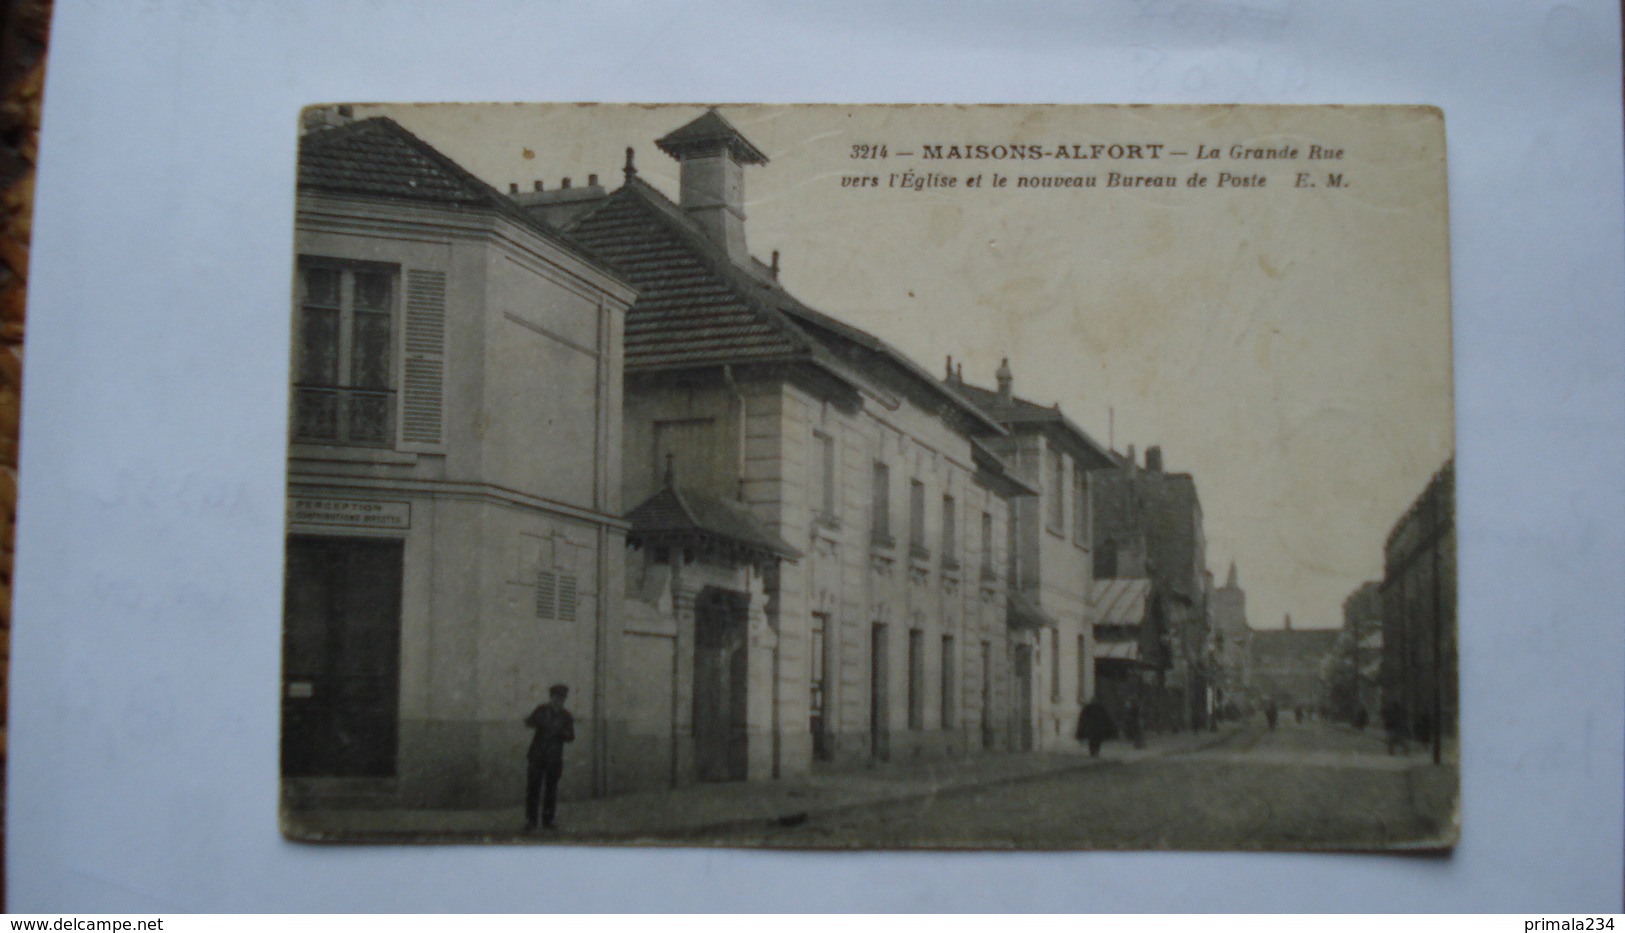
(693, 812)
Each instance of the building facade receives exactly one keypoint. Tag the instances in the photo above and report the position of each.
(1288, 666)
(1355, 670)
(1419, 611)
(1051, 556)
(455, 531)
(831, 590)
(1150, 525)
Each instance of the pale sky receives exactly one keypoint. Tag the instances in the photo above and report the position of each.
(1288, 347)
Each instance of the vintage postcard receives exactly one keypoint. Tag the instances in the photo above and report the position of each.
(871, 476)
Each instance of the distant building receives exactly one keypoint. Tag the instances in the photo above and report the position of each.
(820, 524)
(1287, 665)
(1150, 525)
(1232, 641)
(455, 533)
(1419, 610)
(1354, 673)
(1051, 540)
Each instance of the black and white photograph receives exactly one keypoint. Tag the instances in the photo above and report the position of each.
(812, 476)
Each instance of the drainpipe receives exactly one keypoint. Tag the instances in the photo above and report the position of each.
(769, 581)
(742, 416)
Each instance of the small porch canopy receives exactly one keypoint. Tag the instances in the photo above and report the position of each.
(682, 518)
(1024, 614)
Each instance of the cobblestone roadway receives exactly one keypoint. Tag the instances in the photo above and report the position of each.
(1302, 785)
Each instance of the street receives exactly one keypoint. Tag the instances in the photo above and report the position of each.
(1308, 785)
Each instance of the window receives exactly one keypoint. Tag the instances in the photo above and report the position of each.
(916, 519)
(818, 697)
(950, 545)
(1012, 568)
(1083, 669)
(880, 505)
(1057, 491)
(343, 384)
(949, 663)
(987, 545)
(1055, 666)
(823, 481)
(916, 679)
(988, 736)
(1080, 507)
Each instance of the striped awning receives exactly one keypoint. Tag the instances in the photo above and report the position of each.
(1119, 602)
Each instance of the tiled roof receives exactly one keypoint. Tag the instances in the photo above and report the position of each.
(709, 130)
(697, 307)
(674, 516)
(379, 158)
(1018, 410)
(694, 307)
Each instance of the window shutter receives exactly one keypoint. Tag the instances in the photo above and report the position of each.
(423, 372)
(567, 598)
(547, 590)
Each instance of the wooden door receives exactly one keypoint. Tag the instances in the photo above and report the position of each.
(341, 657)
(720, 670)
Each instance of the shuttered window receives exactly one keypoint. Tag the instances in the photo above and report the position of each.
(423, 376)
(555, 596)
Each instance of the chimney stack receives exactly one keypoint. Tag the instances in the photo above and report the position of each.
(538, 184)
(565, 184)
(1006, 381)
(592, 181)
(1153, 459)
(712, 156)
(513, 187)
(316, 118)
(950, 375)
(1128, 459)
(774, 268)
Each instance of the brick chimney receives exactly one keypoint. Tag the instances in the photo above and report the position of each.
(1153, 459)
(713, 155)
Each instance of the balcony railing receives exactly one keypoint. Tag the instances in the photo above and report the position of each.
(344, 415)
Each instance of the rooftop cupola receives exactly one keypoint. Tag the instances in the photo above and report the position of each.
(713, 156)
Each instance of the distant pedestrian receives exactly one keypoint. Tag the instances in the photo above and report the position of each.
(1095, 726)
(1272, 713)
(553, 727)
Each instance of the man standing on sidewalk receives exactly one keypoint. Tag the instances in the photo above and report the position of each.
(553, 726)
